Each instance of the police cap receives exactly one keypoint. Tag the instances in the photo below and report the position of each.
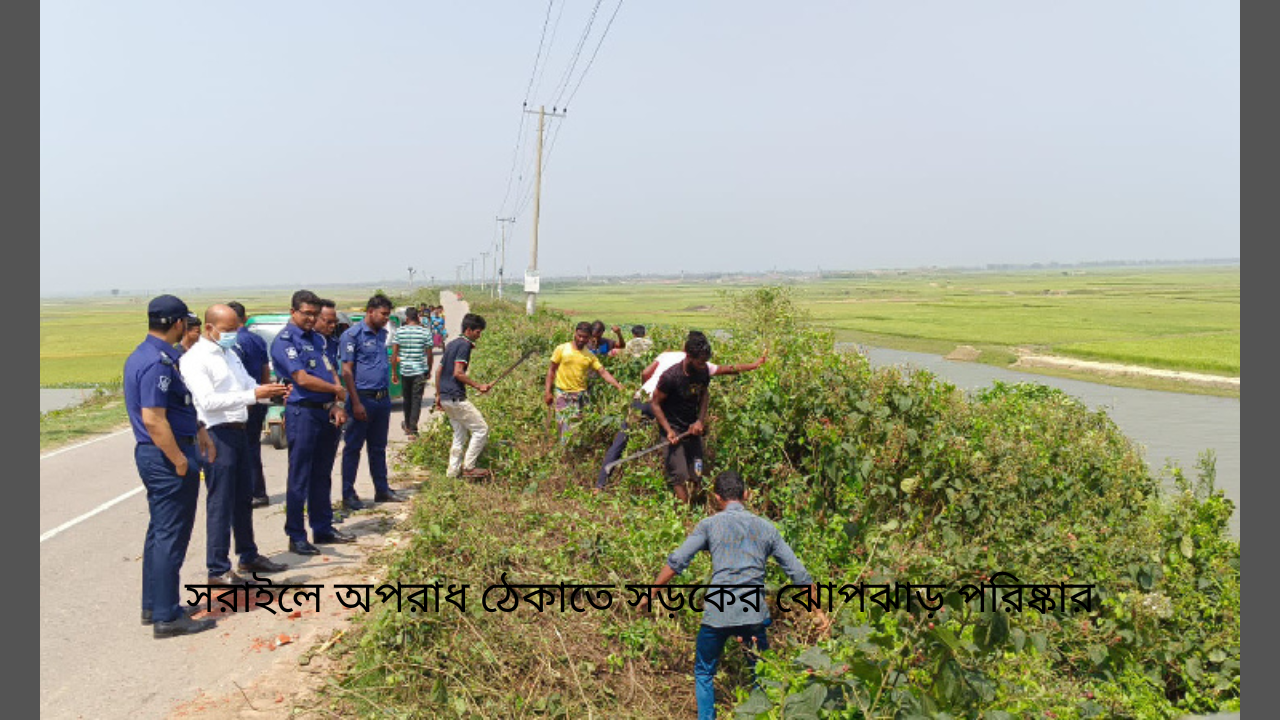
(167, 308)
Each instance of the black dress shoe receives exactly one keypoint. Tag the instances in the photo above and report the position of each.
(261, 564)
(338, 537)
(182, 626)
(303, 547)
(188, 609)
(353, 504)
(258, 502)
(389, 496)
(231, 578)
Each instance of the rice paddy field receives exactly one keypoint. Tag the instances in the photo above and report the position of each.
(84, 341)
(1183, 318)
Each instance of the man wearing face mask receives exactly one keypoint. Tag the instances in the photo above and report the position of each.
(223, 391)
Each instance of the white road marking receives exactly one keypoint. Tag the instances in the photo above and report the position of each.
(91, 513)
(87, 442)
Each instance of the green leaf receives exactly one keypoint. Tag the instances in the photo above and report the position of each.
(1019, 638)
(756, 704)
(1186, 546)
(1193, 669)
(815, 658)
(805, 705)
(890, 526)
(1097, 655)
(1216, 655)
(1040, 641)
(947, 637)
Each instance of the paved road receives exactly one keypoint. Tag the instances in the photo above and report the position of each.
(96, 659)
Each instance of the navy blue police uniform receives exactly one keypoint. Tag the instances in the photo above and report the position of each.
(330, 457)
(309, 432)
(366, 350)
(252, 351)
(152, 380)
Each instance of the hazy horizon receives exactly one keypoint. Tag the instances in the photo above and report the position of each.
(312, 143)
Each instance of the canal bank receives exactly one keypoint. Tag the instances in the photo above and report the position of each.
(1170, 427)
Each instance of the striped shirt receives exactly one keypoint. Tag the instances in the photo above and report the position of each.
(414, 342)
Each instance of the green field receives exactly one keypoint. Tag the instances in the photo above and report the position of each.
(84, 341)
(1180, 319)
(1184, 318)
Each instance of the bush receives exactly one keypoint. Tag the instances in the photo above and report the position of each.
(879, 476)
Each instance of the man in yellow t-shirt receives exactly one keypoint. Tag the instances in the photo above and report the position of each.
(567, 377)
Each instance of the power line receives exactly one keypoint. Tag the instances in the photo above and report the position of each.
(550, 44)
(563, 85)
(592, 60)
(538, 56)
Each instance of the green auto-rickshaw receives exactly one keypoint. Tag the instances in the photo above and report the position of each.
(268, 325)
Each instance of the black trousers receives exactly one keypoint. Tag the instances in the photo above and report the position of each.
(414, 386)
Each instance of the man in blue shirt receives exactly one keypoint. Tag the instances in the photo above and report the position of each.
(312, 419)
(252, 351)
(166, 431)
(740, 543)
(365, 373)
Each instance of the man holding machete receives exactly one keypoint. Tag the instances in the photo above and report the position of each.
(451, 398)
(680, 403)
(650, 376)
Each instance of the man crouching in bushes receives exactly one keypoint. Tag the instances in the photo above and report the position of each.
(740, 543)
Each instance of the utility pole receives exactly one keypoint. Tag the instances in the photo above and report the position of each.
(502, 264)
(484, 269)
(531, 298)
(473, 272)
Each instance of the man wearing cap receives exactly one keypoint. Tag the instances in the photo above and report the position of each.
(166, 431)
(252, 351)
(312, 417)
(223, 392)
(191, 335)
(365, 370)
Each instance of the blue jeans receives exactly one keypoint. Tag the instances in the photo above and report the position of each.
(709, 646)
(172, 504)
(374, 431)
(229, 484)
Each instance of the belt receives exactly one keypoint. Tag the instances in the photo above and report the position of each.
(374, 394)
(231, 425)
(312, 404)
(185, 439)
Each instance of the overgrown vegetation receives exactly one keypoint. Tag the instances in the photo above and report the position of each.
(872, 476)
(100, 413)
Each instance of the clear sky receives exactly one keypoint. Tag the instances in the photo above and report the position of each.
(249, 143)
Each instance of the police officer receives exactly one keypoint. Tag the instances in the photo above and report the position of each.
(252, 351)
(327, 325)
(165, 428)
(365, 370)
(312, 418)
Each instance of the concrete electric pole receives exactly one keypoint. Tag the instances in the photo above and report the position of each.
(531, 297)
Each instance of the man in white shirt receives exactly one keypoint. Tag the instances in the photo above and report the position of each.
(664, 362)
(222, 392)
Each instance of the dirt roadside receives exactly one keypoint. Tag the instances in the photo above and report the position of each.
(287, 687)
(1029, 359)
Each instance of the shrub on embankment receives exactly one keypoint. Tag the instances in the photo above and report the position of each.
(881, 477)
